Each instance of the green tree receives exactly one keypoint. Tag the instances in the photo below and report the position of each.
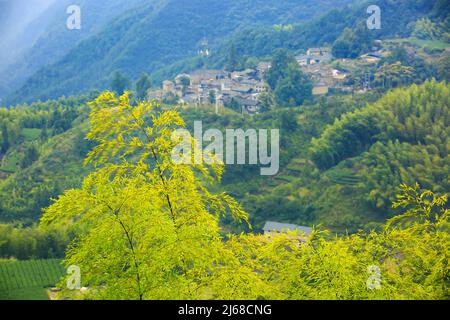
(43, 136)
(280, 62)
(212, 97)
(233, 61)
(5, 139)
(294, 88)
(31, 155)
(234, 104)
(142, 86)
(426, 29)
(443, 67)
(352, 42)
(119, 83)
(185, 82)
(290, 86)
(148, 228)
(394, 75)
(266, 101)
(287, 121)
(407, 259)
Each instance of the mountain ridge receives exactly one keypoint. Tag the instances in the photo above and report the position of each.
(146, 48)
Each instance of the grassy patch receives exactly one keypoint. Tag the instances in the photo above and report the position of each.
(285, 178)
(434, 44)
(9, 162)
(30, 134)
(34, 293)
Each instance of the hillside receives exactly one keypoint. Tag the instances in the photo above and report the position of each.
(44, 39)
(144, 38)
(402, 138)
(260, 42)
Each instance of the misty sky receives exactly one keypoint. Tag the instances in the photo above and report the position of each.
(15, 14)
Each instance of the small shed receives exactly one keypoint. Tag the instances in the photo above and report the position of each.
(271, 228)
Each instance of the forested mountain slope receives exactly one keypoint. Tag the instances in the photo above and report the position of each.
(324, 30)
(403, 138)
(46, 39)
(148, 37)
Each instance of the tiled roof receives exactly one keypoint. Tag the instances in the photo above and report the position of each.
(283, 227)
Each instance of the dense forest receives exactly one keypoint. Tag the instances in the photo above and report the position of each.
(330, 28)
(356, 163)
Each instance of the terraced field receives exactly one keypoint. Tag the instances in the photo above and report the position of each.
(344, 178)
(28, 279)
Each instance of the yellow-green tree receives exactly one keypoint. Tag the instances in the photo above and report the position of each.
(147, 228)
(407, 259)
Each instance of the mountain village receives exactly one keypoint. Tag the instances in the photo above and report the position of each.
(219, 88)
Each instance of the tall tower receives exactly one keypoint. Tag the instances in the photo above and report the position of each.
(204, 48)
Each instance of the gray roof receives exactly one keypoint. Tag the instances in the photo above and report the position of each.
(283, 227)
(246, 102)
(302, 56)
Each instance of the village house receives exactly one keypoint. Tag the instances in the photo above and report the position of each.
(320, 89)
(202, 86)
(314, 56)
(262, 68)
(275, 228)
(220, 88)
(323, 75)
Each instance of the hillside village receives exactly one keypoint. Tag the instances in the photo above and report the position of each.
(219, 87)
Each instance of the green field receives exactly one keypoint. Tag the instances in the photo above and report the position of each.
(343, 177)
(27, 280)
(31, 134)
(434, 44)
(9, 162)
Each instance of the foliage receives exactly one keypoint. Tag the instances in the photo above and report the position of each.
(55, 127)
(119, 83)
(425, 29)
(290, 86)
(31, 155)
(352, 44)
(160, 222)
(5, 139)
(411, 252)
(233, 63)
(142, 86)
(32, 243)
(406, 115)
(403, 138)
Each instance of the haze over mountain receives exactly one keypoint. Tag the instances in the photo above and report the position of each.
(36, 34)
(15, 16)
